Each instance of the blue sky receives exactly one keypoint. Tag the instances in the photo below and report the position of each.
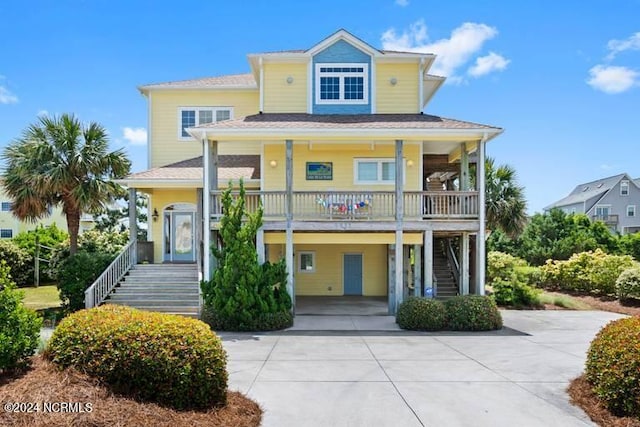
(562, 78)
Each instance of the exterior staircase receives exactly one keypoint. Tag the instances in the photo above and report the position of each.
(167, 288)
(447, 286)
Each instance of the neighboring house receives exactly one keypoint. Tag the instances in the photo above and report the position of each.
(362, 192)
(10, 226)
(614, 200)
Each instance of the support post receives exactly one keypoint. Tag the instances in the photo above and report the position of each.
(399, 181)
(289, 212)
(417, 270)
(133, 221)
(429, 286)
(206, 207)
(199, 226)
(481, 253)
(464, 263)
(260, 245)
(464, 167)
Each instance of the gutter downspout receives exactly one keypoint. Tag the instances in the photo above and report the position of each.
(261, 107)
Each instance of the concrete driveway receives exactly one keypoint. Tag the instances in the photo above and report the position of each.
(372, 375)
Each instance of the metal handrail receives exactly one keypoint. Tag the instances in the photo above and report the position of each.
(102, 287)
(453, 260)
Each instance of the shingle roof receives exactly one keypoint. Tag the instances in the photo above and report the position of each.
(587, 191)
(344, 121)
(229, 167)
(232, 80)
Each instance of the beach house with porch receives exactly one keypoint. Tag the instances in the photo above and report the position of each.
(364, 192)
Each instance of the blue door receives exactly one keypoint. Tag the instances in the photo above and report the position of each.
(352, 274)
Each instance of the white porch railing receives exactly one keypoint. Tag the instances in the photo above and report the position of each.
(367, 205)
(98, 291)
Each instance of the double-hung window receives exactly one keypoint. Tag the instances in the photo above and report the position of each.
(195, 116)
(6, 233)
(342, 83)
(306, 262)
(624, 188)
(375, 171)
(631, 210)
(5, 206)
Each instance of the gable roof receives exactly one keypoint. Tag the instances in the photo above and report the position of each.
(231, 81)
(589, 190)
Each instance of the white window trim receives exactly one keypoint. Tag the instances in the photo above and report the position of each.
(624, 183)
(341, 100)
(380, 161)
(634, 211)
(197, 110)
(313, 261)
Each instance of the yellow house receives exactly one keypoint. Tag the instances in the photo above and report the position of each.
(363, 192)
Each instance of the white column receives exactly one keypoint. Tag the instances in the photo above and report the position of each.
(289, 234)
(260, 245)
(206, 211)
(133, 220)
(399, 283)
(481, 253)
(427, 275)
(464, 264)
(417, 267)
(464, 167)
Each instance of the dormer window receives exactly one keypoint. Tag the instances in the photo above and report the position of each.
(624, 188)
(342, 83)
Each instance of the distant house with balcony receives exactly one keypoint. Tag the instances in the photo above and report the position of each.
(363, 192)
(614, 200)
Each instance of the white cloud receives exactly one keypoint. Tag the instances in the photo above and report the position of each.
(453, 52)
(7, 97)
(617, 46)
(488, 64)
(613, 79)
(135, 136)
(402, 3)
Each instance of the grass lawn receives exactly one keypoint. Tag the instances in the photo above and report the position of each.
(41, 297)
(564, 301)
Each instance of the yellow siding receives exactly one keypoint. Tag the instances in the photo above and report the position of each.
(342, 157)
(166, 146)
(160, 200)
(327, 278)
(281, 96)
(401, 97)
(343, 238)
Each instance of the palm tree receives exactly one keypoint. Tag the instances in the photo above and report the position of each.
(505, 203)
(61, 161)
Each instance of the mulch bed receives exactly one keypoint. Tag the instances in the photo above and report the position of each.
(582, 396)
(630, 307)
(45, 383)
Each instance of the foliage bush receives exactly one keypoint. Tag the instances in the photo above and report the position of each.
(507, 277)
(50, 236)
(19, 261)
(244, 295)
(630, 245)
(19, 327)
(586, 272)
(172, 360)
(77, 273)
(628, 284)
(502, 266)
(422, 314)
(613, 363)
(473, 313)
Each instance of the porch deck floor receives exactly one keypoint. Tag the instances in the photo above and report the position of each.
(341, 306)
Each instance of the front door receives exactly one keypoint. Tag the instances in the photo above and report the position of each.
(352, 274)
(179, 236)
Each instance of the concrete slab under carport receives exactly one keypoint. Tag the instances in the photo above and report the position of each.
(384, 377)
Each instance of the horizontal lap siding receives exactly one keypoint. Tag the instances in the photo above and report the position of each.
(401, 97)
(281, 96)
(160, 200)
(166, 147)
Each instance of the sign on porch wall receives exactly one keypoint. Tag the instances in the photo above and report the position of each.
(319, 171)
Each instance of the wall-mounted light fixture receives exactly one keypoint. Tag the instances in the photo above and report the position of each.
(410, 163)
(155, 215)
(273, 163)
(289, 79)
(393, 81)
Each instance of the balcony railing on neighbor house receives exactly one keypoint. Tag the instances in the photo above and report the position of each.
(607, 219)
(366, 205)
(102, 287)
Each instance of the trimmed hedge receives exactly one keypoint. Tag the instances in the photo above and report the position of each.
(613, 364)
(19, 261)
(473, 313)
(422, 314)
(77, 273)
(628, 284)
(171, 360)
(19, 327)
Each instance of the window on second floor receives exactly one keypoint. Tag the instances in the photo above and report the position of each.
(5, 206)
(6, 233)
(375, 171)
(196, 116)
(342, 83)
(624, 188)
(631, 210)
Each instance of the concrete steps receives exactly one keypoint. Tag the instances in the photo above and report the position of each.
(166, 288)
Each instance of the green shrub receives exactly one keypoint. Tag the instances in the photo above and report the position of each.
(628, 284)
(77, 273)
(502, 266)
(422, 314)
(515, 292)
(19, 261)
(19, 327)
(172, 360)
(50, 236)
(630, 245)
(586, 272)
(473, 313)
(613, 364)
